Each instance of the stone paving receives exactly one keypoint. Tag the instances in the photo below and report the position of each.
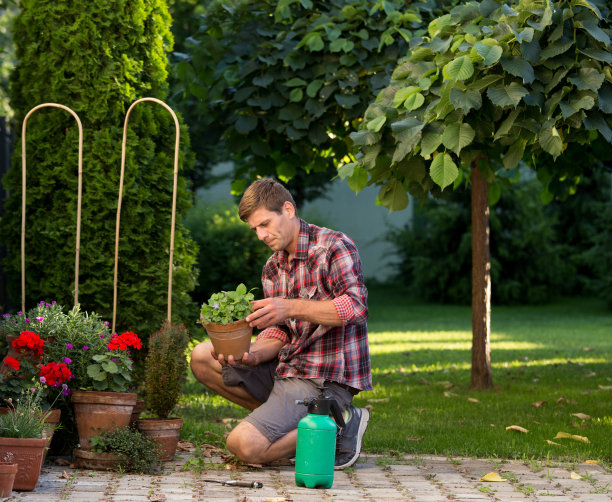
(374, 478)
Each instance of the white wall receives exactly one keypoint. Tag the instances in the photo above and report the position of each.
(357, 216)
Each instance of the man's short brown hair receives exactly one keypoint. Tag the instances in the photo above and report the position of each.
(267, 193)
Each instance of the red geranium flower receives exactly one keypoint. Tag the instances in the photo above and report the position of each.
(28, 340)
(54, 373)
(124, 341)
(12, 362)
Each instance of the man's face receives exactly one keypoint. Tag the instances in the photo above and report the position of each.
(273, 229)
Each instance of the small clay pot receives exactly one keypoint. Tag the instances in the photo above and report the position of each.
(8, 471)
(164, 431)
(233, 338)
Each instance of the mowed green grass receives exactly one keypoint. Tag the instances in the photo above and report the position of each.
(558, 356)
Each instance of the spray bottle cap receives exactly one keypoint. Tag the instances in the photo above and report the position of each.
(323, 404)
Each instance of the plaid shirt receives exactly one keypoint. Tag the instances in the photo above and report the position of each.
(326, 266)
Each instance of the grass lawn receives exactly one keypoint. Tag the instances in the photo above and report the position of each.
(552, 373)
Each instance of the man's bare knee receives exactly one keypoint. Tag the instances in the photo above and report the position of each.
(247, 443)
(203, 365)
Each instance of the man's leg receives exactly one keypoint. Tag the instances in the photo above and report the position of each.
(207, 370)
(251, 446)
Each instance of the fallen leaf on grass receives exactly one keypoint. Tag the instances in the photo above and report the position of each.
(590, 374)
(65, 475)
(581, 416)
(581, 426)
(368, 406)
(419, 410)
(537, 404)
(185, 446)
(379, 400)
(517, 428)
(565, 435)
(473, 400)
(588, 349)
(605, 387)
(445, 384)
(552, 442)
(561, 400)
(493, 477)
(448, 393)
(415, 438)
(591, 462)
(575, 475)
(424, 382)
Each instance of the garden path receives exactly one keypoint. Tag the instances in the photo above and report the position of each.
(374, 478)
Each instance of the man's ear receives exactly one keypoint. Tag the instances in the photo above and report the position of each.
(288, 207)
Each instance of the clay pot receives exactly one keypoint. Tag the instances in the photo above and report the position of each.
(28, 454)
(233, 338)
(97, 461)
(8, 471)
(97, 412)
(164, 431)
(138, 409)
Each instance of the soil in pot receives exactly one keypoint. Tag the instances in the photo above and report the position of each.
(97, 412)
(28, 454)
(164, 431)
(234, 338)
(8, 472)
(97, 461)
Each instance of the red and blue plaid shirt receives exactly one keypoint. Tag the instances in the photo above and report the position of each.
(325, 266)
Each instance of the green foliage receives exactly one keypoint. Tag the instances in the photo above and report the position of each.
(137, 453)
(166, 368)
(230, 252)
(526, 77)
(227, 306)
(526, 266)
(97, 58)
(285, 82)
(26, 418)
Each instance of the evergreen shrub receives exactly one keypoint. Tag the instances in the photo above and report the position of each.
(97, 58)
(230, 252)
(435, 251)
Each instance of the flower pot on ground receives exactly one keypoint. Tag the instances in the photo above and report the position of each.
(97, 461)
(139, 407)
(165, 375)
(8, 471)
(223, 318)
(97, 412)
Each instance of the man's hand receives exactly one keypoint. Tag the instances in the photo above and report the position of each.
(269, 312)
(259, 352)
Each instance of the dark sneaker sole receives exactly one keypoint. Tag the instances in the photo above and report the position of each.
(363, 424)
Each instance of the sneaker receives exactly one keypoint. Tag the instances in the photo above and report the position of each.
(348, 440)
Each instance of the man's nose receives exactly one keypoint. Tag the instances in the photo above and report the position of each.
(261, 234)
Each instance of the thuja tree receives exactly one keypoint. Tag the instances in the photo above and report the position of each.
(292, 78)
(488, 84)
(97, 58)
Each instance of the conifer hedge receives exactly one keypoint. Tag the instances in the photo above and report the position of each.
(97, 57)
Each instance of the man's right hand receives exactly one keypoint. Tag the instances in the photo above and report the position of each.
(259, 352)
(248, 359)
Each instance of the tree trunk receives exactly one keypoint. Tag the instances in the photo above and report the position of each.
(482, 377)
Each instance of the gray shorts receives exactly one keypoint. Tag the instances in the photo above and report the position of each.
(279, 415)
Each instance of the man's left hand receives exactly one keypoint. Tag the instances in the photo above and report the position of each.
(269, 312)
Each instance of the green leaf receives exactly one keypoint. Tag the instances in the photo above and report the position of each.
(358, 180)
(598, 54)
(95, 371)
(313, 88)
(459, 69)
(315, 43)
(550, 140)
(484, 82)
(346, 101)
(506, 125)
(430, 142)
(246, 124)
(466, 100)
(531, 51)
(443, 170)
(605, 98)
(393, 195)
(402, 94)
(414, 101)
(587, 78)
(577, 103)
(514, 154)
(285, 171)
(590, 25)
(494, 193)
(110, 367)
(490, 53)
(596, 120)
(519, 67)
(376, 124)
(370, 154)
(295, 82)
(361, 138)
(296, 95)
(589, 5)
(457, 136)
(509, 95)
(525, 35)
(556, 48)
(263, 80)
(544, 22)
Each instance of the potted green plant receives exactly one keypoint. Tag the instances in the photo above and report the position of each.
(223, 318)
(22, 436)
(165, 374)
(123, 449)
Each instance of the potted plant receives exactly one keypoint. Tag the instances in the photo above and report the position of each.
(22, 436)
(8, 472)
(165, 374)
(123, 449)
(223, 317)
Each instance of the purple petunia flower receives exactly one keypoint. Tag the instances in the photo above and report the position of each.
(53, 302)
(69, 345)
(67, 360)
(101, 336)
(19, 313)
(32, 389)
(66, 392)
(113, 359)
(85, 347)
(43, 380)
(40, 319)
(27, 320)
(64, 386)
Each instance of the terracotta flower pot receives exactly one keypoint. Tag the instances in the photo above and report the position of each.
(97, 461)
(138, 409)
(8, 471)
(233, 338)
(164, 431)
(28, 454)
(97, 412)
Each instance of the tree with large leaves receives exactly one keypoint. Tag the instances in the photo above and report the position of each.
(283, 82)
(487, 85)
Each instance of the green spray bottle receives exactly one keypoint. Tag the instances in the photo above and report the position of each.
(316, 442)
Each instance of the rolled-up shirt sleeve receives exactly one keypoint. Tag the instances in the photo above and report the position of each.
(273, 332)
(347, 281)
